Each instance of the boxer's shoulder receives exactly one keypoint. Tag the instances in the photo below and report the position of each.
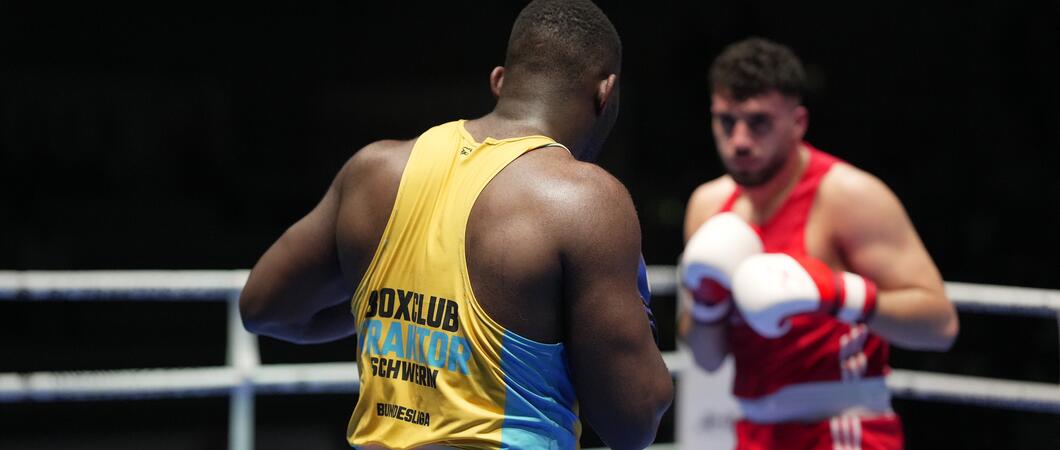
(846, 185)
(384, 150)
(716, 190)
(563, 183)
(706, 200)
(855, 200)
(565, 197)
(597, 198)
(385, 158)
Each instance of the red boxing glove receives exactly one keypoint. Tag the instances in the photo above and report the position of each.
(770, 288)
(849, 297)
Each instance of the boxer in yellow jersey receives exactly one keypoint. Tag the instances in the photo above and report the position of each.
(489, 270)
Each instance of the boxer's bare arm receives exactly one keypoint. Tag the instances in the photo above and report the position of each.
(297, 291)
(297, 285)
(876, 239)
(622, 383)
(706, 342)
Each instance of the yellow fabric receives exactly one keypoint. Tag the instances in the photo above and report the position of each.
(429, 356)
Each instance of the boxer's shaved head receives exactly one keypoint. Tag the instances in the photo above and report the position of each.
(568, 41)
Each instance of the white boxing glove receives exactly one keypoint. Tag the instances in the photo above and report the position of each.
(708, 263)
(769, 288)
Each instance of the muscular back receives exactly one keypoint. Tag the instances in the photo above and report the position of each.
(515, 234)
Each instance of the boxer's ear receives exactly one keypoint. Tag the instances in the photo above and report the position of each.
(497, 81)
(604, 89)
(802, 121)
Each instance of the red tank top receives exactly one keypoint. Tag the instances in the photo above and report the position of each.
(817, 348)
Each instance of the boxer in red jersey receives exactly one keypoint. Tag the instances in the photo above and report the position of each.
(803, 268)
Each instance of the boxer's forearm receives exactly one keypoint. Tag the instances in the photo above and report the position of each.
(706, 342)
(295, 289)
(915, 319)
(292, 295)
(333, 323)
(299, 312)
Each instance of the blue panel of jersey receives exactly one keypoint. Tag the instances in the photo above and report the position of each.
(539, 401)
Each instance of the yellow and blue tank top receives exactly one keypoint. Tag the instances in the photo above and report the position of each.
(434, 367)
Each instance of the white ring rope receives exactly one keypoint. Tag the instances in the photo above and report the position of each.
(176, 382)
(118, 285)
(1004, 299)
(216, 284)
(992, 392)
(244, 369)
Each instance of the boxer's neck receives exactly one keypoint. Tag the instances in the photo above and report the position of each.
(767, 197)
(567, 125)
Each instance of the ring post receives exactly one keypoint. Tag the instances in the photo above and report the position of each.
(242, 356)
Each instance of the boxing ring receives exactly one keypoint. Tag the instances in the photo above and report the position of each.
(244, 375)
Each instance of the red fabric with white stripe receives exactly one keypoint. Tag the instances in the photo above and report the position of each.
(818, 347)
(838, 433)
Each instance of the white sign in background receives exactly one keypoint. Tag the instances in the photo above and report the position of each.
(706, 410)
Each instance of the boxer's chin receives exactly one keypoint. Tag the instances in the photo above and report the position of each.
(748, 178)
(755, 178)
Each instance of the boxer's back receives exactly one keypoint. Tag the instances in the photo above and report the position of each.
(512, 254)
(436, 364)
(504, 273)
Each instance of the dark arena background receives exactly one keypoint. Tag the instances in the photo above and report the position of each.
(175, 135)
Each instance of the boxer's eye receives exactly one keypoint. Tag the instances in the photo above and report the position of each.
(760, 124)
(727, 122)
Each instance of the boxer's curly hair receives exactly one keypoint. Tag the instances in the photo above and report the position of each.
(566, 39)
(756, 66)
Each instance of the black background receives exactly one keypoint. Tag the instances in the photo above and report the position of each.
(189, 135)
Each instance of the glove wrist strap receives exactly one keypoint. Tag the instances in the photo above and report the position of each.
(856, 298)
(712, 314)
